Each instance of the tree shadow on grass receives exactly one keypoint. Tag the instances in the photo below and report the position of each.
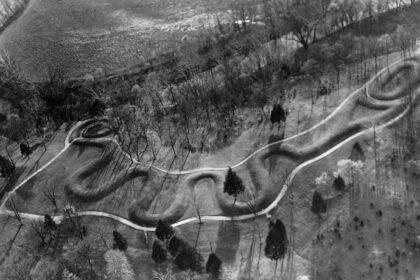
(227, 243)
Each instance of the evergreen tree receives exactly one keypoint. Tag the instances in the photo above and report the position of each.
(278, 114)
(7, 168)
(120, 241)
(174, 245)
(339, 183)
(319, 205)
(276, 242)
(25, 150)
(213, 265)
(164, 230)
(159, 253)
(233, 184)
(188, 258)
(49, 222)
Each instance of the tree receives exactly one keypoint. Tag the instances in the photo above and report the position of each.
(213, 265)
(49, 222)
(339, 183)
(50, 194)
(164, 231)
(174, 245)
(278, 114)
(159, 253)
(120, 241)
(303, 18)
(319, 205)
(188, 258)
(276, 243)
(233, 184)
(7, 168)
(39, 229)
(25, 150)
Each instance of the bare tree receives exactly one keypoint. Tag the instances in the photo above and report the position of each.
(39, 229)
(15, 211)
(197, 207)
(51, 196)
(303, 19)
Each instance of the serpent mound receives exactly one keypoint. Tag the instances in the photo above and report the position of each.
(268, 172)
(97, 129)
(76, 188)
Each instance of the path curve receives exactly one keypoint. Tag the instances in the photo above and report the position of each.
(265, 211)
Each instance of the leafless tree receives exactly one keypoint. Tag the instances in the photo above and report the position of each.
(51, 195)
(251, 202)
(71, 214)
(15, 211)
(197, 207)
(40, 230)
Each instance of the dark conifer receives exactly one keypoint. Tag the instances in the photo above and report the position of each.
(339, 183)
(7, 168)
(278, 114)
(159, 253)
(319, 205)
(276, 242)
(175, 244)
(188, 258)
(25, 150)
(49, 222)
(233, 184)
(164, 230)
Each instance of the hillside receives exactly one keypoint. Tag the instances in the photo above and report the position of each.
(219, 140)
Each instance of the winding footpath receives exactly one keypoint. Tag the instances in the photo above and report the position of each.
(263, 212)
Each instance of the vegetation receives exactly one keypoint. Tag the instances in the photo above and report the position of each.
(164, 231)
(6, 167)
(159, 253)
(233, 184)
(339, 183)
(198, 101)
(319, 205)
(278, 114)
(276, 242)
